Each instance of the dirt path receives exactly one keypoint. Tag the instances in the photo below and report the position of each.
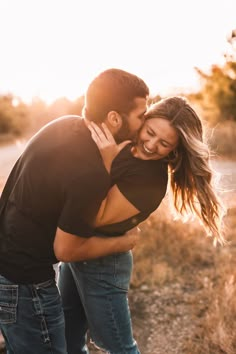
(162, 318)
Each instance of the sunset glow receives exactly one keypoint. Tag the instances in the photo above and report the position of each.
(54, 48)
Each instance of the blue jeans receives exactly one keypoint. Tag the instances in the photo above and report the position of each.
(94, 296)
(31, 318)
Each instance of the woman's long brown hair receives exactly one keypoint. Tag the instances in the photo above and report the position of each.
(189, 166)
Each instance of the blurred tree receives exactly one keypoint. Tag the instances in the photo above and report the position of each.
(19, 118)
(217, 96)
(13, 115)
(38, 112)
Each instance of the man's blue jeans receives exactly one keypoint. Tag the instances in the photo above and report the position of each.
(31, 318)
(94, 296)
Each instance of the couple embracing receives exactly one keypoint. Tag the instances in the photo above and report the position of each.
(75, 196)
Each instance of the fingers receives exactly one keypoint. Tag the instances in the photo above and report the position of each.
(97, 135)
(103, 138)
(123, 144)
(108, 133)
(134, 238)
(97, 131)
(105, 134)
(94, 135)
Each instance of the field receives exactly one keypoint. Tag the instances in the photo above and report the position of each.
(183, 290)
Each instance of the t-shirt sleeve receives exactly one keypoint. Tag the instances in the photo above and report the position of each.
(74, 224)
(72, 220)
(81, 204)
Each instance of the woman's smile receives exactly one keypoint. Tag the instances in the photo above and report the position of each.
(147, 150)
(156, 139)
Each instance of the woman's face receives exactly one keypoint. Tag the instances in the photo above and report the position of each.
(156, 139)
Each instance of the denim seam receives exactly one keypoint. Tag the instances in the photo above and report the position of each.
(40, 313)
(119, 340)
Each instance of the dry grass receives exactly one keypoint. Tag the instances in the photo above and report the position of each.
(181, 252)
(216, 333)
(170, 250)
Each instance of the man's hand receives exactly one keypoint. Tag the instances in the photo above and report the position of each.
(133, 237)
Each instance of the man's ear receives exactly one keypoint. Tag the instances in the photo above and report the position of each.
(114, 120)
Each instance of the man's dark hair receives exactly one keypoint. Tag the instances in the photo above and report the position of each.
(113, 90)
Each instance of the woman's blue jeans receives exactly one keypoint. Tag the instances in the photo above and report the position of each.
(94, 296)
(31, 318)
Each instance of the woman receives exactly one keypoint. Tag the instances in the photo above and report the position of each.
(169, 144)
(173, 132)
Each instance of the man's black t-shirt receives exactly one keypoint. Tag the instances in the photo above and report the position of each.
(60, 181)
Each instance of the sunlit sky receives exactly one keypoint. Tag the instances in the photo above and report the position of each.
(53, 48)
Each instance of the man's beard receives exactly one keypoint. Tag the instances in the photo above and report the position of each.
(125, 133)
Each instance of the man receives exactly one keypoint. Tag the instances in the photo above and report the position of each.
(52, 193)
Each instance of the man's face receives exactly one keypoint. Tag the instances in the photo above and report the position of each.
(132, 122)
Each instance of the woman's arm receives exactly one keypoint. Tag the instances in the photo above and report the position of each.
(115, 207)
(106, 143)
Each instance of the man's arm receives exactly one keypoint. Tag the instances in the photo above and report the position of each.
(72, 248)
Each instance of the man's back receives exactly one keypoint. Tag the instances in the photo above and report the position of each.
(52, 184)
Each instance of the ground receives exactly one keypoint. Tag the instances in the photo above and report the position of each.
(163, 318)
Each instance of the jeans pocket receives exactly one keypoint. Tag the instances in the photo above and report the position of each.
(118, 273)
(123, 271)
(8, 303)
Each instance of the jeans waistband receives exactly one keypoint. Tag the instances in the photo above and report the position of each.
(43, 284)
